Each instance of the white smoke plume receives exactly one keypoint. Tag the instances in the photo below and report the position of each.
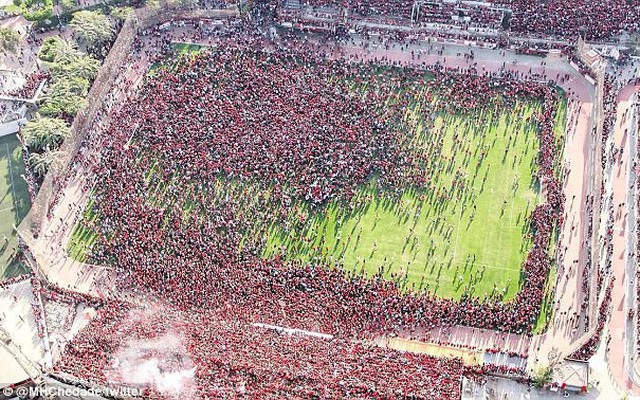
(162, 363)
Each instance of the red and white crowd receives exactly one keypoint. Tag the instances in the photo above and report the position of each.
(283, 120)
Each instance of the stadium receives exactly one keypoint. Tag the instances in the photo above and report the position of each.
(329, 200)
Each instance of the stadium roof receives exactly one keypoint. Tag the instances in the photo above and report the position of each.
(572, 374)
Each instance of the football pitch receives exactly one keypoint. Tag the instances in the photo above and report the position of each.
(466, 232)
(14, 204)
(470, 233)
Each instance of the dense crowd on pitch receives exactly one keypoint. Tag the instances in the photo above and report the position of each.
(233, 358)
(603, 19)
(242, 129)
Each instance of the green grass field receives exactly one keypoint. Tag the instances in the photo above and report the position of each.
(458, 237)
(14, 203)
(82, 238)
(187, 48)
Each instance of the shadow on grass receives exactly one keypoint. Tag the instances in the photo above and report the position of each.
(15, 203)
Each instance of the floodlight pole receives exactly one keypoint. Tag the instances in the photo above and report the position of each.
(415, 11)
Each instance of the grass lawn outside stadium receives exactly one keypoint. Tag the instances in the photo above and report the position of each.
(14, 204)
(468, 233)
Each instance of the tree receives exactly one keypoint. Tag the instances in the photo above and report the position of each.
(66, 51)
(121, 13)
(83, 66)
(68, 5)
(40, 163)
(43, 134)
(71, 72)
(62, 106)
(92, 28)
(183, 3)
(9, 39)
(542, 377)
(57, 49)
(152, 4)
(65, 97)
(49, 47)
(35, 10)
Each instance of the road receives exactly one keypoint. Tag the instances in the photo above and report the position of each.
(621, 329)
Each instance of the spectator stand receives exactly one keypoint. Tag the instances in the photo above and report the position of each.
(465, 14)
(66, 313)
(443, 15)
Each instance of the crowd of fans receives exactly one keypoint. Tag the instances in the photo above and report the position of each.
(467, 15)
(596, 20)
(236, 123)
(169, 236)
(599, 20)
(400, 12)
(587, 350)
(235, 359)
(5, 283)
(152, 157)
(401, 8)
(588, 266)
(318, 156)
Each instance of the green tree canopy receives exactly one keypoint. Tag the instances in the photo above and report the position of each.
(49, 47)
(43, 134)
(84, 66)
(71, 71)
(57, 49)
(66, 50)
(40, 163)
(92, 28)
(68, 5)
(65, 96)
(9, 39)
(152, 4)
(542, 376)
(121, 13)
(35, 10)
